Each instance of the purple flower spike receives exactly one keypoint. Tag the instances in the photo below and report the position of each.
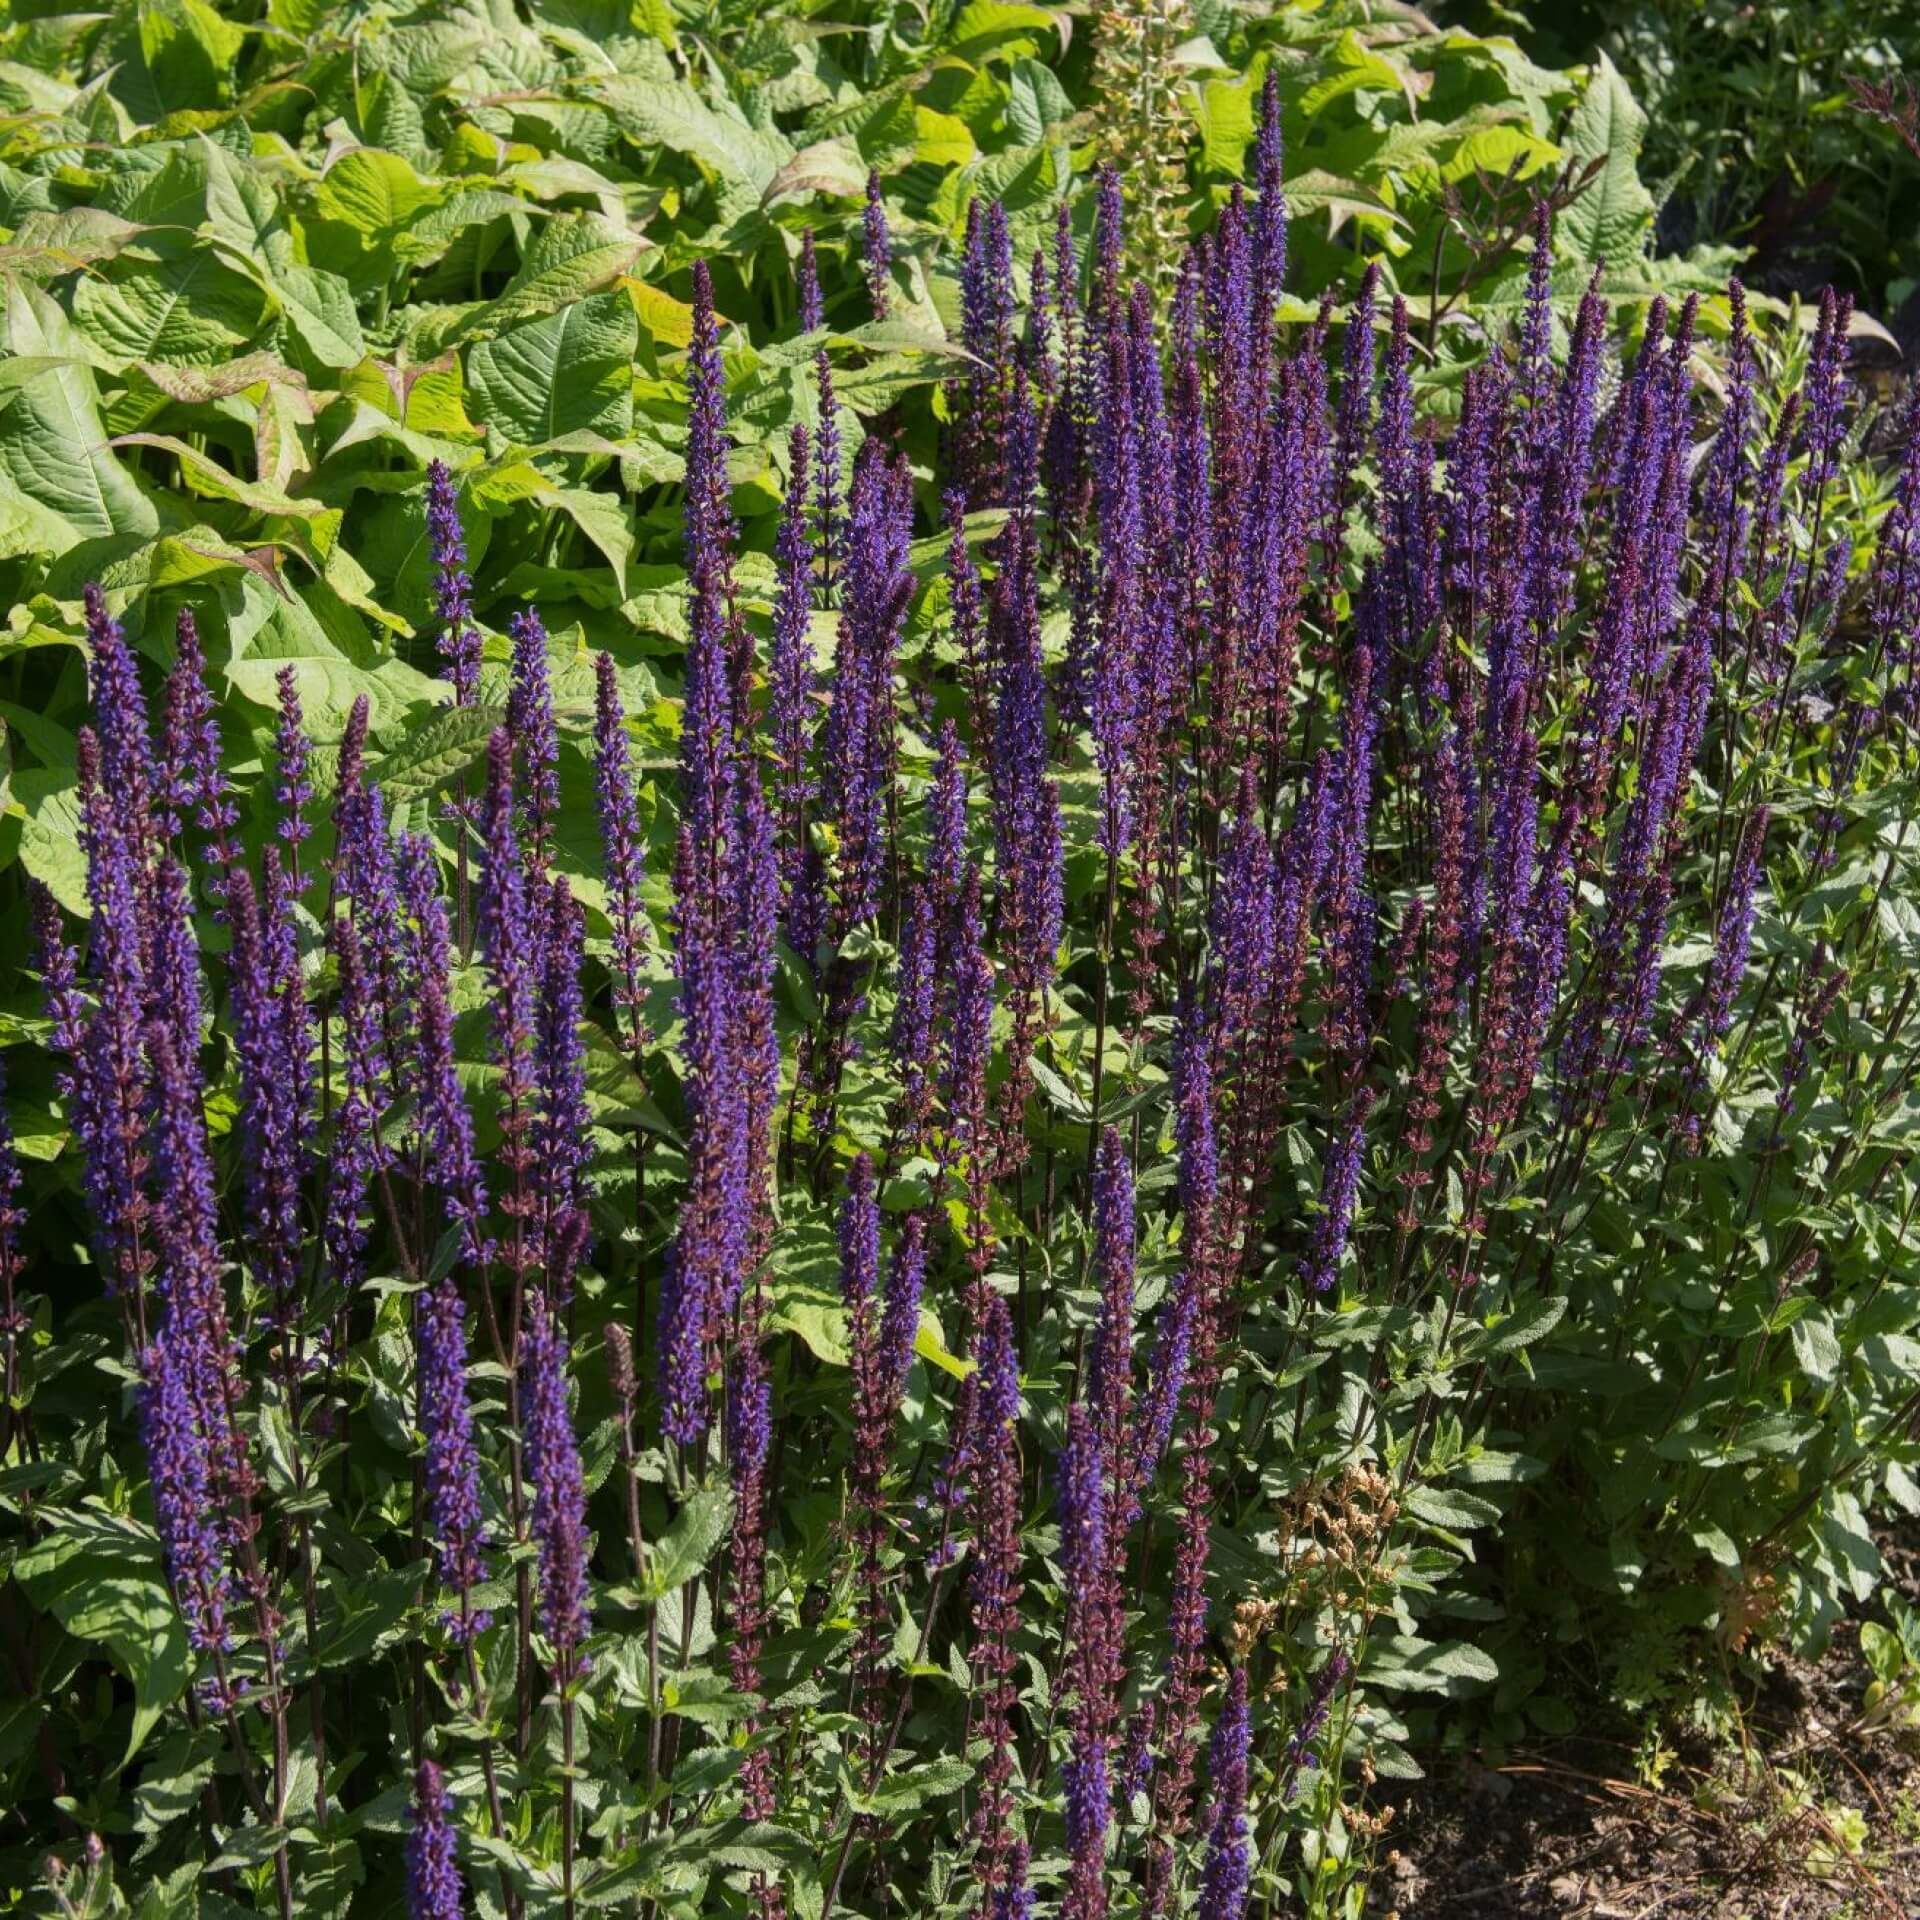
(293, 790)
(624, 853)
(127, 771)
(434, 1891)
(1224, 1880)
(1339, 1187)
(564, 1136)
(1110, 1383)
(559, 1492)
(683, 1351)
(900, 1324)
(185, 1496)
(1303, 1754)
(191, 784)
(1270, 214)
(878, 249)
(446, 1126)
(454, 1518)
(530, 723)
(806, 280)
(458, 640)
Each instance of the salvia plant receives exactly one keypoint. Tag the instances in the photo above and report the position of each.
(1253, 1066)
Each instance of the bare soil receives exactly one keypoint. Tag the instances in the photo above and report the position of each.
(1817, 1820)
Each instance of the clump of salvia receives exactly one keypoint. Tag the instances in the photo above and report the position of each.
(1396, 746)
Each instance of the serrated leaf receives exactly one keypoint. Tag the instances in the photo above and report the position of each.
(568, 373)
(436, 753)
(1612, 218)
(686, 1547)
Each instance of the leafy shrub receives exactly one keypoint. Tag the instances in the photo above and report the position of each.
(810, 1121)
(1757, 137)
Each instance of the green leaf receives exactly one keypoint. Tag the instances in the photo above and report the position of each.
(191, 309)
(1532, 1321)
(689, 1543)
(1612, 218)
(568, 373)
(1449, 1507)
(374, 193)
(100, 1577)
(1403, 1663)
(53, 447)
(435, 753)
(569, 258)
(670, 114)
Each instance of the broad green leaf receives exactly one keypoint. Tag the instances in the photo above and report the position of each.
(988, 27)
(102, 1580)
(686, 1547)
(190, 308)
(569, 258)
(566, 373)
(334, 662)
(52, 446)
(1612, 218)
(670, 114)
(434, 754)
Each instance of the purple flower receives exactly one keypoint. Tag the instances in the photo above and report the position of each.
(508, 929)
(434, 1891)
(1823, 419)
(104, 1080)
(1302, 1745)
(915, 1003)
(531, 727)
(806, 280)
(1270, 215)
(994, 1588)
(1339, 1187)
(1085, 1565)
(623, 851)
(454, 1518)
(271, 1040)
(185, 1495)
(188, 1265)
(829, 538)
(878, 248)
(1224, 1879)
(367, 876)
(876, 1394)
(459, 639)
(683, 1351)
(173, 956)
(292, 789)
(190, 782)
(358, 1153)
(559, 1492)
(127, 772)
(1166, 1378)
(859, 734)
(790, 674)
(900, 1324)
(563, 1136)
(1110, 1379)
(947, 818)
(445, 1125)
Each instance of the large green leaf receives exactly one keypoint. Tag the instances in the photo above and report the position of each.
(568, 373)
(1613, 217)
(52, 446)
(671, 114)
